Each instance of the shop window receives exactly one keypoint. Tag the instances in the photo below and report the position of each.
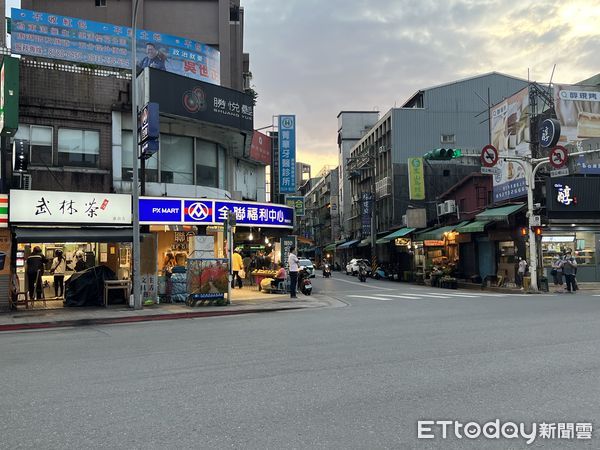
(78, 147)
(101, 3)
(207, 164)
(40, 143)
(581, 245)
(176, 159)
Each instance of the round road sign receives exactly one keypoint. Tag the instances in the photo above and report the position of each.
(558, 156)
(489, 156)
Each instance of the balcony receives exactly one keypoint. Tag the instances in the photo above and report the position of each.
(383, 187)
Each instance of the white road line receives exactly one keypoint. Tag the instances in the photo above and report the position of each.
(452, 294)
(370, 297)
(365, 285)
(432, 295)
(408, 297)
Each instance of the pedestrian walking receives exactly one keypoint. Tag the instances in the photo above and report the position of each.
(293, 267)
(237, 266)
(521, 270)
(58, 268)
(569, 266)
(35, 270)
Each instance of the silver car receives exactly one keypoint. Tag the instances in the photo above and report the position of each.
(308, 265)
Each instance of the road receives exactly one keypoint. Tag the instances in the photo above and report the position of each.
(355, 377)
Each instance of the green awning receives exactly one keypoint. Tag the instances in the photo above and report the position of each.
(477, 226)
(329, 248)
(437, 234)
(396, 234)
(499, 214)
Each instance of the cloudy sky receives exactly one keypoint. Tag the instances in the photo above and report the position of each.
(315, 58)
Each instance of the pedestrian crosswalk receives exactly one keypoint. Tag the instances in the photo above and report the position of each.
(417, 294)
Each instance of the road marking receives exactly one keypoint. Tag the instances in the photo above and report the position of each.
(408, 297)
(432, 295)
(365, 285)
(370, 297)
(458, 295)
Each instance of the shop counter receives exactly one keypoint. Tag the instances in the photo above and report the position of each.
(259, 275)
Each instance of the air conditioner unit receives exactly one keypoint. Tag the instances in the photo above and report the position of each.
(24, 180)
(381, 148)
(441, 209)
(450, 206)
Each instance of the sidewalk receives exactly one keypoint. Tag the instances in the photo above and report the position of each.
(244, 301)
(588, 287)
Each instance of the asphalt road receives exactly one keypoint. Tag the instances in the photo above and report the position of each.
(356, 377)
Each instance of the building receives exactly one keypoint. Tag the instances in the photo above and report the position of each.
(440, 116)
(302, 174)
(352, 126)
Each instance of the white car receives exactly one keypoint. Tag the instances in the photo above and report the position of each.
(308, 265)
(352, 266)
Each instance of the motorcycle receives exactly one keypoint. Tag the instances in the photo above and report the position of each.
(326, 271)
(304, 283)
(380, 273)
(362, 273)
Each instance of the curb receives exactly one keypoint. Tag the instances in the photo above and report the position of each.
(133, 319)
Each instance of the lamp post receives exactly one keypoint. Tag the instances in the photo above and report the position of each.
(135, 246)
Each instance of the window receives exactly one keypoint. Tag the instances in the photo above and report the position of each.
(100, 2)
(127, 162)
(78, 147)
(448, 139)
(40, 143)
(176, 159)
(207, 167)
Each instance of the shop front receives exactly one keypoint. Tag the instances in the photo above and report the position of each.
(438, 247)
(398, 249)
(87, 229)
(573, 207)
(191, 252)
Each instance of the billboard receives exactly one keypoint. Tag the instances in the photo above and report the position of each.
(510, 135)
(84, 41)
(296, 202)
(287, 154)
(578, 111)
(197, 100)
(260, 148)
(9, 96)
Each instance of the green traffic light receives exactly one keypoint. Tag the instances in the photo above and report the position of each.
(457, 153)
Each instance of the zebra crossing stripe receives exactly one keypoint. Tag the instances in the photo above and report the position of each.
(432, 295)
(370, 297)
(408, 297)
(458, 295)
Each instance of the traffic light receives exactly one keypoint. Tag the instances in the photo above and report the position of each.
(443, 154)
(537, 230)
(523, 231)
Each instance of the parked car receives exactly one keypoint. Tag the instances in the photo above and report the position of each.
(352, 266)
(308, 265)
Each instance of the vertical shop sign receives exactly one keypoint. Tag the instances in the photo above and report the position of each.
(296, 202)
(287, 154)
(287, 242)
(9, 96)
(366, 198)
(416, 179)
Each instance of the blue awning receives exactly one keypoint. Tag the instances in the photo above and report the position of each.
(348, 244)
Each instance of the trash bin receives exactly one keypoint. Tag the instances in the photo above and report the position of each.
(543, 284)
(526, 283)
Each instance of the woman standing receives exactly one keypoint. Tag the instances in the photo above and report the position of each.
(58, 268)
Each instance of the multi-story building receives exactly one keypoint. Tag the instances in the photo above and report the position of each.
(445, 116)
(302, 173)
(352, 126)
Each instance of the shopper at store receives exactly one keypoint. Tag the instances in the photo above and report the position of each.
(293, 266)
(557, 271)
(80, 263)
(35, 270)
(58, 268)
(569, 267)
(237, 265)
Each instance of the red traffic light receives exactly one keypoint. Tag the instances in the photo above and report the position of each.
(523, 231)
(537, 231)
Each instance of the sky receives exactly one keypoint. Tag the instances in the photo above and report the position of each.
(315, 58)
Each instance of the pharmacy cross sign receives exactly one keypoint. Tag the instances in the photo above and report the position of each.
(558, 156)
(489, 156)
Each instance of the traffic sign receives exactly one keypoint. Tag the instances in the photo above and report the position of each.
(558, 156)
(489, 156)
(490, 170)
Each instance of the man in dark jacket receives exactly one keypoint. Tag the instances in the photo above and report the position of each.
(35, 270)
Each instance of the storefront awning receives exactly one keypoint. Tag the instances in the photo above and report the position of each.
(396, 234)
(477, 226)
(499, 214)
(329, 248)
(348, 244)
(365, 242)
(48, 235)
(437, 234)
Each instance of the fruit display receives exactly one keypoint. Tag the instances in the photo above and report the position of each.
(264, 273)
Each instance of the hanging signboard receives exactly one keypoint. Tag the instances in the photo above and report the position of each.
(287, 154)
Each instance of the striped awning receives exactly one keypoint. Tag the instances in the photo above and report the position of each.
(3, 210)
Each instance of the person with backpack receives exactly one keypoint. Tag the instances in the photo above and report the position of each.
(58, 268)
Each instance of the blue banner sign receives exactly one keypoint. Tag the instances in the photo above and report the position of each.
(287, 154)
(212, 212)
(71, 39)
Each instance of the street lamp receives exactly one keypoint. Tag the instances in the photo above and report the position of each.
(135, 245)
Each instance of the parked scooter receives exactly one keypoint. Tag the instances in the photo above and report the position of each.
(380, 273)
(326, 270)
(304, 283)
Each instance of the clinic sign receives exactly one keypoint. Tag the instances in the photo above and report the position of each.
(47, 207)
(181, 211)
(287, 154)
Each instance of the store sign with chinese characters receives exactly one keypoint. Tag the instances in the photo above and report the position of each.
(160, 210)
(49, 207)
